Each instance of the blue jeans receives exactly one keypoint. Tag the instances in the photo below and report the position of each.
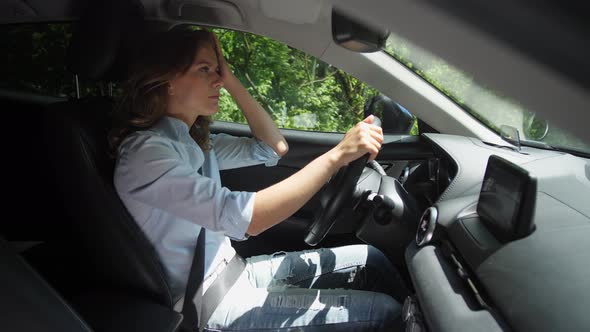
(348, 288)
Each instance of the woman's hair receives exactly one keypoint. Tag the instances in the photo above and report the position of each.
(145, 93)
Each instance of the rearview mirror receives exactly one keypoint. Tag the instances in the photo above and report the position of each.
(395, 119)
(355, 36)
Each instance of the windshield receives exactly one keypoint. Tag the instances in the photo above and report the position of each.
(489, 107)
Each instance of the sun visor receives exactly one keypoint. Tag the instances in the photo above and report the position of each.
(25, 11)
(15, 10)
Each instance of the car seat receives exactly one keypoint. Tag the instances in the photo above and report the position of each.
(128, 290)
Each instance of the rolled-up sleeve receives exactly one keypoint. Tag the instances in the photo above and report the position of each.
(234, 152)
(155, 175)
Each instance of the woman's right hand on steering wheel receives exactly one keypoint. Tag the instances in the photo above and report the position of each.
(281, 200)
(363, 138)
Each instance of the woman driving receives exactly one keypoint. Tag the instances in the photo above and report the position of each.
(167, 175)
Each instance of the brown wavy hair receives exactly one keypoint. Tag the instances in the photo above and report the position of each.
(145, 93)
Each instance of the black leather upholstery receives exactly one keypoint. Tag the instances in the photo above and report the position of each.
(120, 252)
(103, 44)
(28, 303)
(128, 290)
(121, 312)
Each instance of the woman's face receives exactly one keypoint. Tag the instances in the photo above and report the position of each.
(196, 92)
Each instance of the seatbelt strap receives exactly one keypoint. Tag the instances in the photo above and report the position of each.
(219, 288)
(215, 293)
(195, 279)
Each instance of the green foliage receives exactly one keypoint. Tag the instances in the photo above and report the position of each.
(454, 83)
(486, 105)
(34, 58)
(414, 131)
(298, 91)
(35, 61)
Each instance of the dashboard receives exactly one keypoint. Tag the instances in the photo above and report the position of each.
(468, 277)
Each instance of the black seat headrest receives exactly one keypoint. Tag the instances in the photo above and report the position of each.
(105, 40)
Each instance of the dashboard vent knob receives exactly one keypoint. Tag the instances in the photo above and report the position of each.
(426, 226)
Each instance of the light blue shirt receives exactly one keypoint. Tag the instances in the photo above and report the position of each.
(157, 178)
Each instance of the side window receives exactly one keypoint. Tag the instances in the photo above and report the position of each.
(298, 90)
(34, 59)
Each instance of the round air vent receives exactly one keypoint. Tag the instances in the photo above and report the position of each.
(426, 226)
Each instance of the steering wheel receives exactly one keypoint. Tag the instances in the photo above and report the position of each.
(337, 195)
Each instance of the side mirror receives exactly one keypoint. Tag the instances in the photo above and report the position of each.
(535, 127)
(395, 119)
(355, 36)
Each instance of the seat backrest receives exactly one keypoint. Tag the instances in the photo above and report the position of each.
(121, 255)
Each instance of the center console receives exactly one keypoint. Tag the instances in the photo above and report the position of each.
(454, 238)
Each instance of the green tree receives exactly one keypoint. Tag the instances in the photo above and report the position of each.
(297, 90)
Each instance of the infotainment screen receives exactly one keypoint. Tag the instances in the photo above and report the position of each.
(506, 200)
